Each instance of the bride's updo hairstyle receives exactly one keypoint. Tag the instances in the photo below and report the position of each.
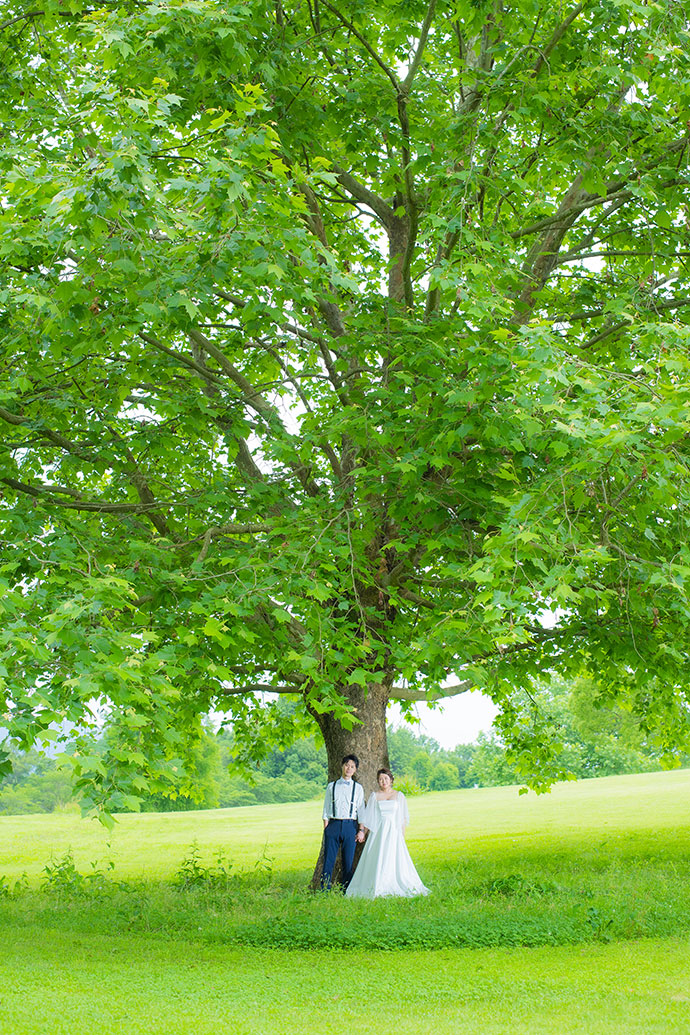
(386, 771)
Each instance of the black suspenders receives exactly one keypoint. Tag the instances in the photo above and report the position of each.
(352, 799)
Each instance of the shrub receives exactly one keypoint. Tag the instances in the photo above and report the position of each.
(408, 785)
(11, 889)
(63, 877)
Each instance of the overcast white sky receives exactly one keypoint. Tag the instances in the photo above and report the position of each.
(457, 720)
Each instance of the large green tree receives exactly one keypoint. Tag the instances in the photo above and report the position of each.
(341, 343)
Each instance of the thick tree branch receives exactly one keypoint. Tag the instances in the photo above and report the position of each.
(615, 192)
(233, 299)
(471, 102)
(48, 493)
(313, 217)
(314, 220)
(577, 256)
(655, 304)
(333, 317)
(323, 443)
(367, 197)
(226, 530)
(255, 399)
(26, 16)
(131, 469)
(404, 693)
(325, 351)
(610, 329)
(250, 395)
(47, 433)
(542, 257)
(336, 327)
(402, 232)
(557, 36)
(180, 358)
(246, 462)
(415, 598)
(140, 483)
(40, 13)
(423, 36)
(260, 688)
(12, 418)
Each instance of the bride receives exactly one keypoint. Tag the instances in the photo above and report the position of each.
(385, 866)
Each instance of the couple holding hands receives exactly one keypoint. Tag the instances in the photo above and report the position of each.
(385, 866)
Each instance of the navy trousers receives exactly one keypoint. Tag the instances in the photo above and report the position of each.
(339, 835)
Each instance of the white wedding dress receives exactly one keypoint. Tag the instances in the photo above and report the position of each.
(385, 866)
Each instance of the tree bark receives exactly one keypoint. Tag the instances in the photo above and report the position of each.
(366, 740)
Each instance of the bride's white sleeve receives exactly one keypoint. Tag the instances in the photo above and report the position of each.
(370, 819)
(403, 813)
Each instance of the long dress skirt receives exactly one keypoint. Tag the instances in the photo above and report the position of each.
(385, 866)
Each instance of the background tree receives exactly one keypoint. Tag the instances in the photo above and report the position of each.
(404, 744)
(37, 783)
(462, 757)
(444, 777)
(341, 342)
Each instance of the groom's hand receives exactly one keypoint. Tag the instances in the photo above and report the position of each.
(360, 836)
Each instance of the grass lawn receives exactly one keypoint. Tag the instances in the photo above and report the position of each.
(65, 984)
(568, 912)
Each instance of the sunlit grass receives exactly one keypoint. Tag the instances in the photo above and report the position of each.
(617, 817)
(67, 984)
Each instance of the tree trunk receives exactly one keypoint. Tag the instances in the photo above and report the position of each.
(366, 740)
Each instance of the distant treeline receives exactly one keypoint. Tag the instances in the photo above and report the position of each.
(595, 741)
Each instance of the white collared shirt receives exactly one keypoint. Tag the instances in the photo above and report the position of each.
(343, 797)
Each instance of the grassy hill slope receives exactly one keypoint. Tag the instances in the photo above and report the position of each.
(616, 816)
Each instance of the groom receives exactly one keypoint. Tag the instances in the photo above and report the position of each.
(343, 807)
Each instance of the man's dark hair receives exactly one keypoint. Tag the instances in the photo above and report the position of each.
(350, 758)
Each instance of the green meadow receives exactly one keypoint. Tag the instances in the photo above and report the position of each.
(567, 912)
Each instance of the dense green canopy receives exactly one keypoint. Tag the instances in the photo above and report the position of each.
(341, 343)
